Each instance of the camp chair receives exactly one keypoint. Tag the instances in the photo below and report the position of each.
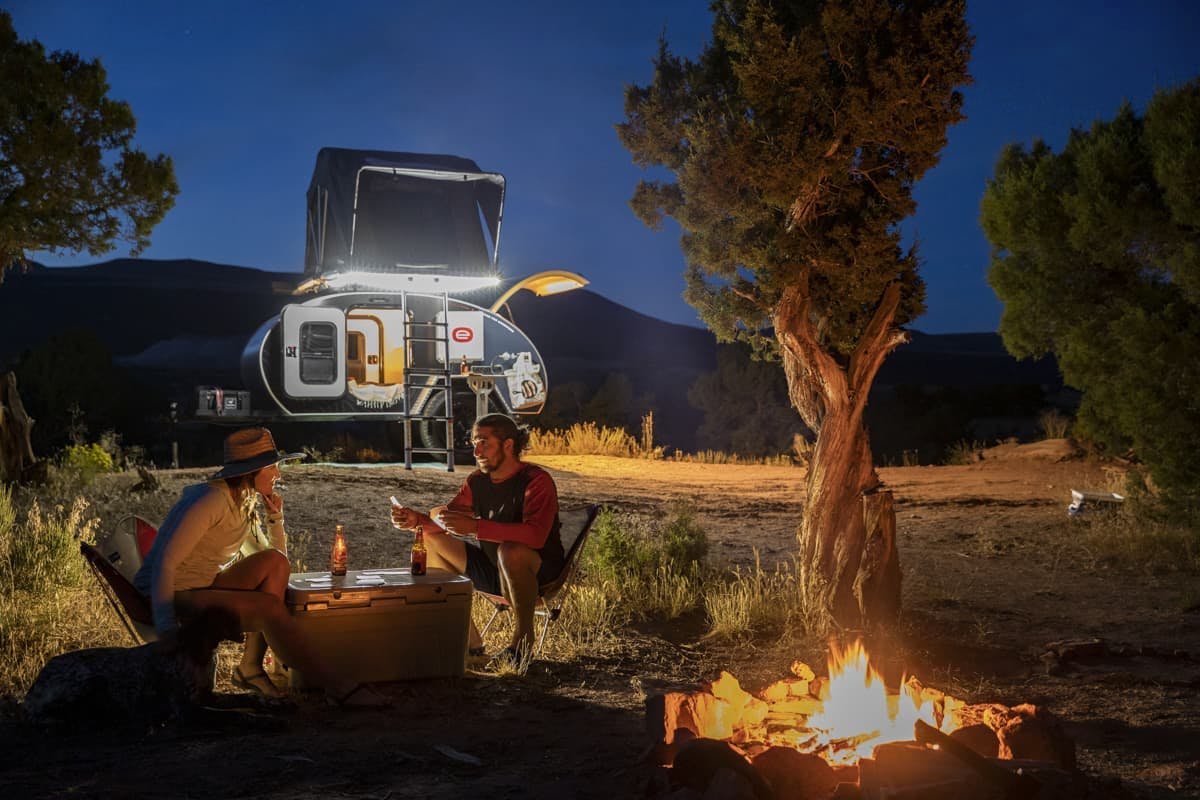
(114, 561)
(575, 524)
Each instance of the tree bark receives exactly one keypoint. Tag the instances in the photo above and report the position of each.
(850, 567)
(16, 449)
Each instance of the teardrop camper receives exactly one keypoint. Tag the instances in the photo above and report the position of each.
(387, 324)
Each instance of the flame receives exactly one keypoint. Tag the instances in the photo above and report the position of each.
(859, 713)
(841, 718)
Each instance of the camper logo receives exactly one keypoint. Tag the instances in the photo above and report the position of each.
(290, 351)
(462, 335)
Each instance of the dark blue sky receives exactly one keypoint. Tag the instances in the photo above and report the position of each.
(243, 94)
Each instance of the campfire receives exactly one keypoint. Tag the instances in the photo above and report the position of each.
(849, 735)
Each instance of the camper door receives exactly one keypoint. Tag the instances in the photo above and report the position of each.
(314, 351)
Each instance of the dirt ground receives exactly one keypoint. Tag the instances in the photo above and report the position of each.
(993, 572)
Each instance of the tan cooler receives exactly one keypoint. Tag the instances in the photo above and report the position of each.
(383, 624)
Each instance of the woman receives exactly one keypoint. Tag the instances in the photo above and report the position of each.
(193, 566)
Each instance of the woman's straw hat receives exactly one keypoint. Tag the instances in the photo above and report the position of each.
(250, 450)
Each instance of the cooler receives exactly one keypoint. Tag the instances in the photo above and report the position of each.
(383, 624)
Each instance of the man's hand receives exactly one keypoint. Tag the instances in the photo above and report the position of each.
(406, 518)
(462, 523)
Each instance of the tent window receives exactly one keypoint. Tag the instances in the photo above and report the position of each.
(318, 352)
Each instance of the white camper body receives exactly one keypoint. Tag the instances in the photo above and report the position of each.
(354, 354)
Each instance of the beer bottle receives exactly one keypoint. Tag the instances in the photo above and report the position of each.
(338, 555)
(464, 368)
(419, 554)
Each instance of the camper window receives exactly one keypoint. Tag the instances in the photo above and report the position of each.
(318, 352)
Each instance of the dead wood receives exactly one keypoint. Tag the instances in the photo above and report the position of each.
(16, 448)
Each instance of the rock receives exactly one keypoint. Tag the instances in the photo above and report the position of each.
(698, 761)
(1078, 649)
(782, 690)
(980, 738)
(668, 712)
(802, 671)
(1051, 663)
(148, 483)
(975, 713)
(908, 770)
(794, 775)
(729, 785)
(1034, 733)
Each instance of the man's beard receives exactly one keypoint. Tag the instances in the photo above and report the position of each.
(487, 468)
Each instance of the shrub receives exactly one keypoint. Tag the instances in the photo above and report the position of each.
(583, 439)
(653, 572)
(615, 551)
(46, 605)
(42, 551)
(685, 545)
(87, 461)
(962, 453)
(1053, 424)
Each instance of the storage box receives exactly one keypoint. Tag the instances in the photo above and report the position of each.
(383, 624)
(213, 401)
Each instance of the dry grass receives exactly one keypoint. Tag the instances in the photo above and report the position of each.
(48, 603)
(755, 601)
(720, 457)
(1128, 538)
(583, 439)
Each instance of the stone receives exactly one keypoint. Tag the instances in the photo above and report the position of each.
(698, 762)
(1078, 649)
(794, 775)
(980, 738)
(1034, 733)
(802, 671)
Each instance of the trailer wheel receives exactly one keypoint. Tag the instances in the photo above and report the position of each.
(432, 433)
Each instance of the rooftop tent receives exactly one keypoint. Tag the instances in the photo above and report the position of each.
(402, 212)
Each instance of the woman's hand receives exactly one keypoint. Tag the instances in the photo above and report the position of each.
(274, 504)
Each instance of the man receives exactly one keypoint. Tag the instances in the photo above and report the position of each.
(511, 508)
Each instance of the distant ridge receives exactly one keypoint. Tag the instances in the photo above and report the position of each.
(186, 317)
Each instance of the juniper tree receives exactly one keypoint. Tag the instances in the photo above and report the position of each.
(1096, 256)
(70, 178)
(791, 146)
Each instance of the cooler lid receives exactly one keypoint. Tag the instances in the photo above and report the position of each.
(367, 586)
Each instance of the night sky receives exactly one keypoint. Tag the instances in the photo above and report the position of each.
(243, 94)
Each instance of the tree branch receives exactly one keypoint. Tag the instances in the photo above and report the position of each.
(877, 341)
(815, 380)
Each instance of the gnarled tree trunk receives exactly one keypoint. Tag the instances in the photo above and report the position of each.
(16, 449)
(850, 568)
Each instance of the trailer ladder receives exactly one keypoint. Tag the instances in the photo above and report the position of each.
(424, 380)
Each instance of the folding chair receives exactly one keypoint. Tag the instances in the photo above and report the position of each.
(575, 524)
(114, 561)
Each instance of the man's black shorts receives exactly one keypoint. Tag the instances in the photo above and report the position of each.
(484, 573)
